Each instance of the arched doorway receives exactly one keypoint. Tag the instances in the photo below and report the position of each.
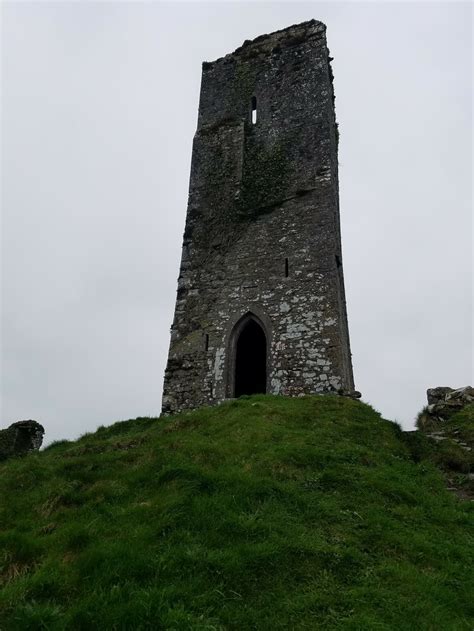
(250, 367)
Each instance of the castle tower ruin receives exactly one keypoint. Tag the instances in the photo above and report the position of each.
(260, 303)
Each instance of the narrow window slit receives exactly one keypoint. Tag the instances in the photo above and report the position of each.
(287, 270)
(254, 110)
(338, 261)
(206, 342)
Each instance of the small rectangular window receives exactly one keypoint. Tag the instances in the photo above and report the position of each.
(338, 261)
(206, 342)
(287, 269)
(254, 110)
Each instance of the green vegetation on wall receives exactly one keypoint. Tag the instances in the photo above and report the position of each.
(263, 180)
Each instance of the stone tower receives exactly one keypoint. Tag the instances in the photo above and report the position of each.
(260, 303)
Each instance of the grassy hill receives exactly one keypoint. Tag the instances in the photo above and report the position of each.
(262, 513)
(451, 448)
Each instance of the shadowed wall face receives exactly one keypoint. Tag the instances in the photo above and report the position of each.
(262, 233)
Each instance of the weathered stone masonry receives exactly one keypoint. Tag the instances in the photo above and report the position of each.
(262, 239)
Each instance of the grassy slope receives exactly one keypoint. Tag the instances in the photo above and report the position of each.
(261, 513)
(452, 450)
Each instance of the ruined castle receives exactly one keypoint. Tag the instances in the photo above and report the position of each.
(260, 303)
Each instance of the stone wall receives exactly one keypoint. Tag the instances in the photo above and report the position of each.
(262, 233)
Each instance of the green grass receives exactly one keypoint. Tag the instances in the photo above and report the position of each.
(453, 453)
(262, 513)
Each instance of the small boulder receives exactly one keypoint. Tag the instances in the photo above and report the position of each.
(352, 394)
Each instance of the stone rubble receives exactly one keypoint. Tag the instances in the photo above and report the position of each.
(443, 401)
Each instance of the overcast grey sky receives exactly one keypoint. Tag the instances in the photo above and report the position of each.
(99, 108)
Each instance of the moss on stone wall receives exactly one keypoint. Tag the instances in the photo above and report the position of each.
(245, 80)
(191, 339)
(264, 179)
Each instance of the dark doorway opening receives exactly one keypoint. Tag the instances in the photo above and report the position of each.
(251, 360)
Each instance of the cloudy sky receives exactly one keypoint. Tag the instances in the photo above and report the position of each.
(99, 107)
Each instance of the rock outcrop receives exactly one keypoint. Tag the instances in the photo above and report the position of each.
(443, 402)
(448, 421)
(20, 438)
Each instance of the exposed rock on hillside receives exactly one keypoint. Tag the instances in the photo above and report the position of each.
(443, 402)
(447, 421)
(463, 395)
(20, 438)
